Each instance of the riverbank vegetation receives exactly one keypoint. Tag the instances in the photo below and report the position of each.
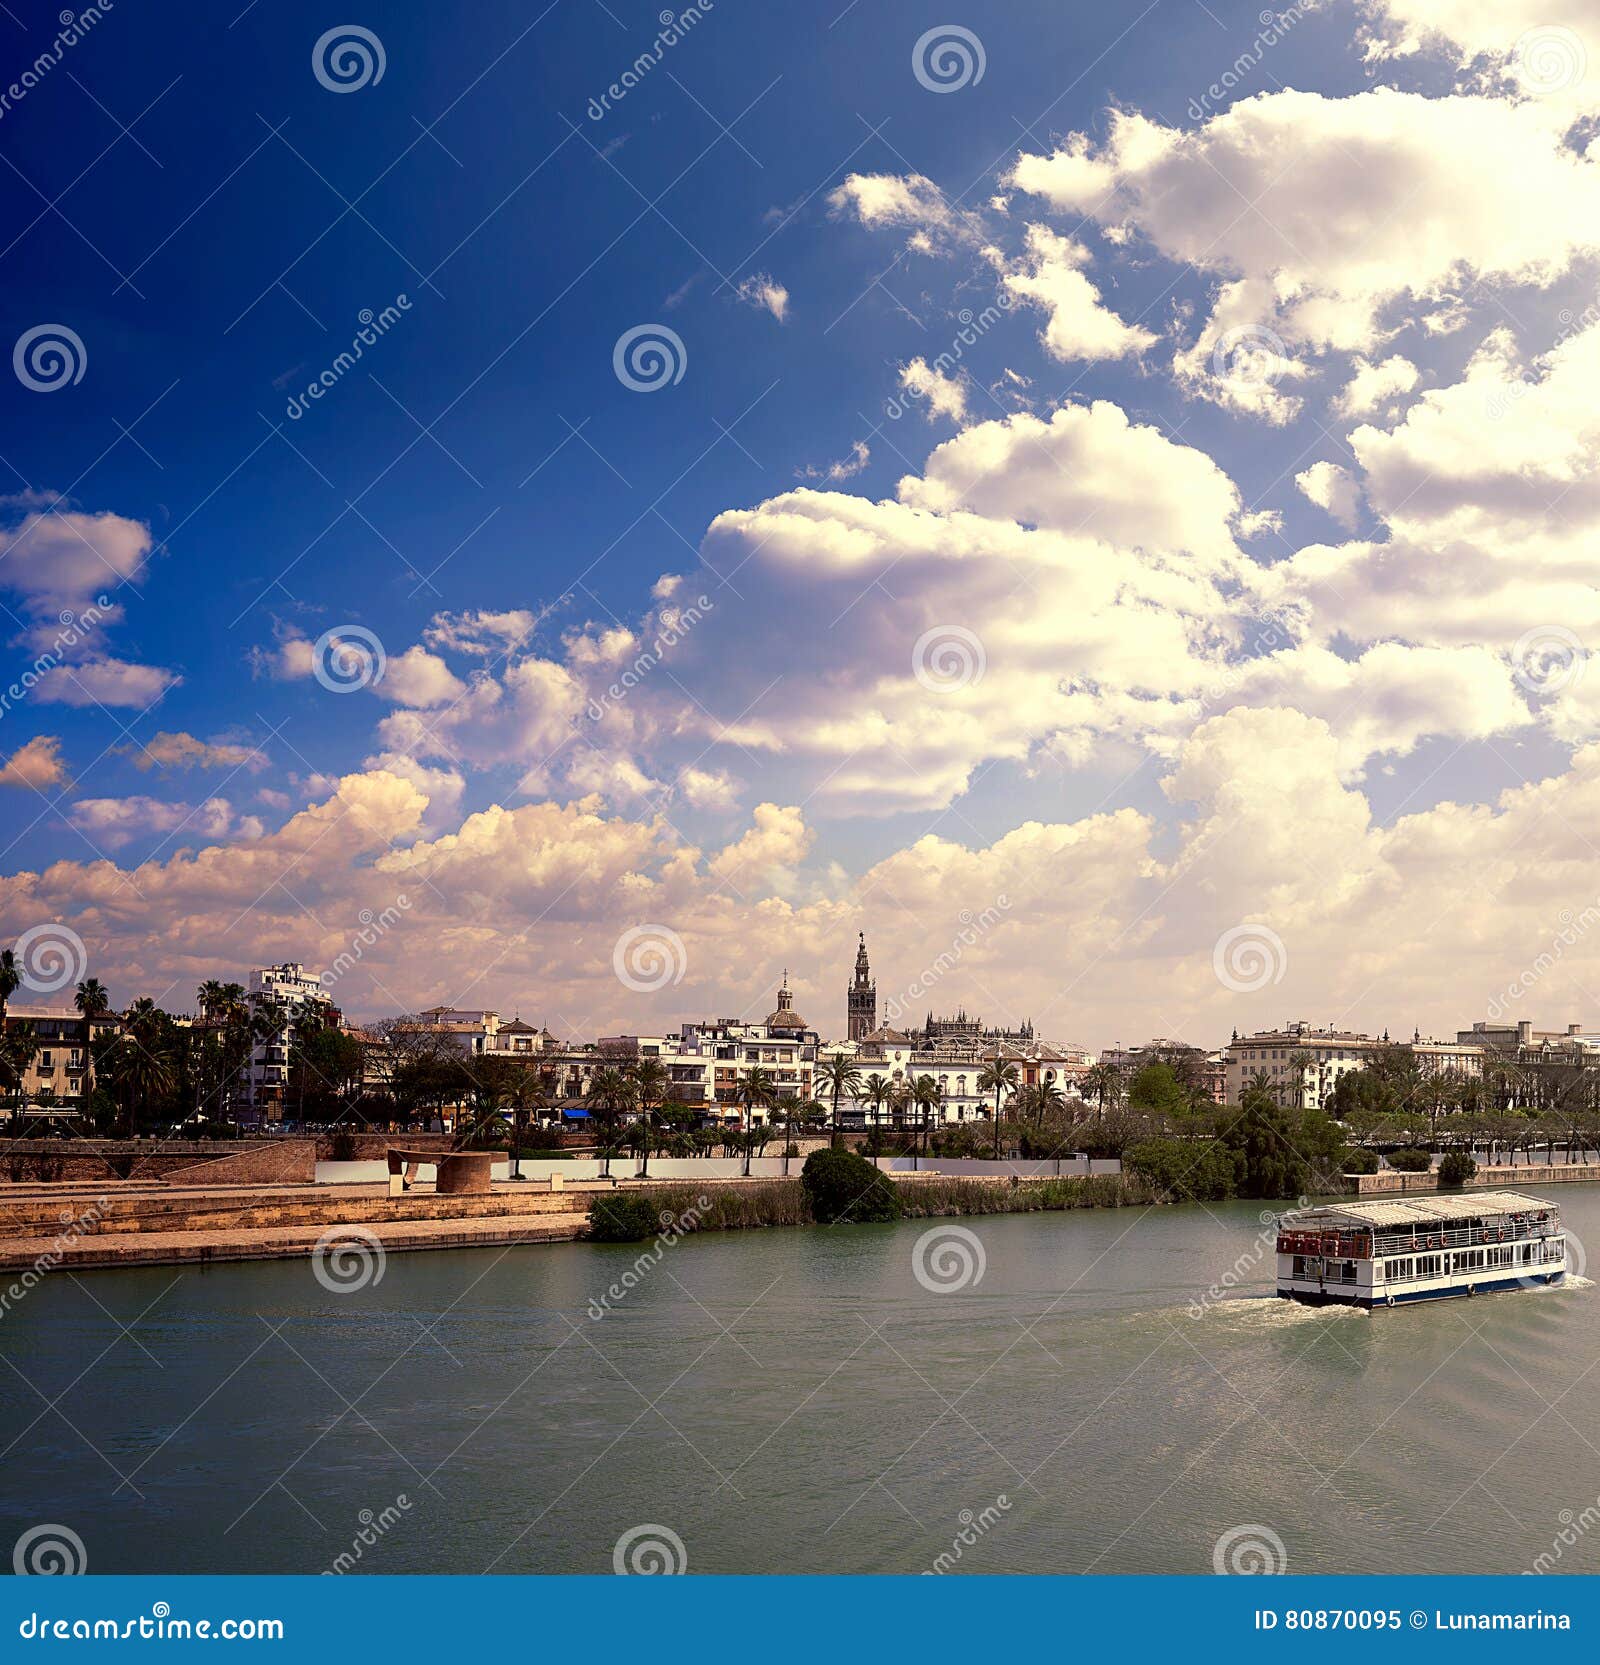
(846, 1194)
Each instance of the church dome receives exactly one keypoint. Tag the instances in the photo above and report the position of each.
(786, 1018)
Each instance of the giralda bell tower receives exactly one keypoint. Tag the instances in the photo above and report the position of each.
(861, 999)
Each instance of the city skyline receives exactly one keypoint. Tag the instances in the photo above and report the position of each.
(959, 517)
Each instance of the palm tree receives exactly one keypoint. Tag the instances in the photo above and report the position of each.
(755, 1090)
(611, 1091)
(838, 1075)
(649, 1077)
(927, 1095)
(144, 1061)
(877, 1089)
(1103, 1083)
(998, 1078)
(525, 1090)
(1299, 1062)
(93, 1002)
(10, 979)
(17, 1047)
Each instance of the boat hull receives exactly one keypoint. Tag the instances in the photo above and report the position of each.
(1488, 1286)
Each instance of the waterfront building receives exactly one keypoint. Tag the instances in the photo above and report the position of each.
(1303, 1064)
(707, 1061)
(952, 1050)
(58, 1072)
(284, 996)
(956, 1065)
(1522, 1043)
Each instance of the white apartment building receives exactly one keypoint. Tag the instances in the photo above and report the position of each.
(707, 1061)
(289, 989)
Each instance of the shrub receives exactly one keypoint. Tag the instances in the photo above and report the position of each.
(1455, 1169)
(342, 1146)
(940, 1196)
(1187, 1170)
(840, 1187)
(1358, 1161)
(621, 1217)
(1409, 1160)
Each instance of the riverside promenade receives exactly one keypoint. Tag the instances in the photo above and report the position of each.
(79, 1226)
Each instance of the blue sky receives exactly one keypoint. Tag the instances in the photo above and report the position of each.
(211, 222)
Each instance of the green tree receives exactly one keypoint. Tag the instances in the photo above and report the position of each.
(1000, 1078)
(1264, 1134)
(1155, 1087)
(609, 1101)
(928, 1097)
(649, 1077)
(838, 1076)
(842, 1187)
(1187, 1170)
(756, 1090)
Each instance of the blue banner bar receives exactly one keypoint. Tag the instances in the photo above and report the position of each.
(806, 1620)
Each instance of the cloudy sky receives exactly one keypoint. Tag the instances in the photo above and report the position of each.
(577, 516)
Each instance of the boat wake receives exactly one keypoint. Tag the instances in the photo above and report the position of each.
(1272, 1312)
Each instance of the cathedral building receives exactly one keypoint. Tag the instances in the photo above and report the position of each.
(952, 1050)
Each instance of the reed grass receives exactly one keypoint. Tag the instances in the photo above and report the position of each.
(782, 1202)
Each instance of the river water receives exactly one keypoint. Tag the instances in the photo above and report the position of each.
(1115, 1394)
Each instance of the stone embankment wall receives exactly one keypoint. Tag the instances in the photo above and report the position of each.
(1391, 1182)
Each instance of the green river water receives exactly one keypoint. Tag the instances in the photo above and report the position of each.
(798, 1401)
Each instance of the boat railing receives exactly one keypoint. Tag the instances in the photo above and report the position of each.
(1406, 1242)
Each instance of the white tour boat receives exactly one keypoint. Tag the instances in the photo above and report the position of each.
(1381, 1252)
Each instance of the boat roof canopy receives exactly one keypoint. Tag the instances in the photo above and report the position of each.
(1418, 1210)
